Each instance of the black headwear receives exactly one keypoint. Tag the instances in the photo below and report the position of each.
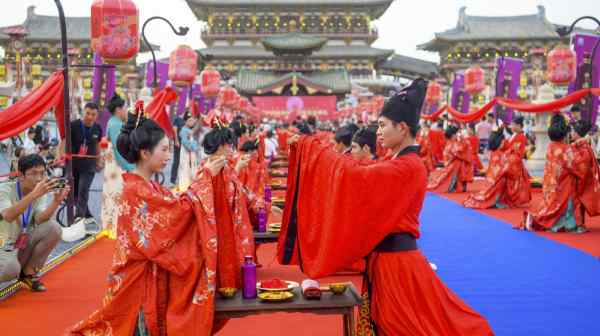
(115, 102)
(406, 105)
(519, 121)
(344, 134)
(582, 127)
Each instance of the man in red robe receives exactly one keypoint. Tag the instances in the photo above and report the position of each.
(425, 149)
(403, 296)
(474, 141)
(364, 145)
(586, 169)
(438, 141)
(458, 165)
(518, 185)
(560, 208)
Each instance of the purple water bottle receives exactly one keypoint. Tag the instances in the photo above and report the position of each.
(268, 194)
(249, 275)
(262, 220)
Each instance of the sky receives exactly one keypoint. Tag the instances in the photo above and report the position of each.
(406, 24)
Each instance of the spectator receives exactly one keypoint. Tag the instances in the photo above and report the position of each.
(271, 145)
(483, 131)
(29, 144)
(85, 136)
(27, 232)
(178, 124)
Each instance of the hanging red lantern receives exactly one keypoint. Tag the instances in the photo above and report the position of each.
(182, 66)
(115, 30)
(562, 65)
(474, 80)
(210, 82)
(434, 92)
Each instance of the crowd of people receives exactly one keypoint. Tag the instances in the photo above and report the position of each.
(190, 234)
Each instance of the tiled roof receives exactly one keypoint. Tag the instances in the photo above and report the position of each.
(333, 82)
(325, 52)
(284, 43)
(410, 64)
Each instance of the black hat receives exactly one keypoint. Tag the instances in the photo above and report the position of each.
(519, 121)
(406, 105)
(582, 127)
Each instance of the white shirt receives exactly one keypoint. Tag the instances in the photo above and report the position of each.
(29, 146)
(271, 147)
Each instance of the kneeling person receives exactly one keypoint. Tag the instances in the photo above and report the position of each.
(27, 232)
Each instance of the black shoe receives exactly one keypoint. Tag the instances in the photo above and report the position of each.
(32, 282)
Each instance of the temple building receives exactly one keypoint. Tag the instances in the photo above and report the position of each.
(289, 47)
(481, 39)
(38, 40)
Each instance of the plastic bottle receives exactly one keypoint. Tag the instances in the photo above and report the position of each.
(249, 276)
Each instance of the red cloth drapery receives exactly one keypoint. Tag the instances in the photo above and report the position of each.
(29, 109)
(157, 110)
(518, 105)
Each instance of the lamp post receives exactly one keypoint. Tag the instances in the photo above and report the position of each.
(181, 32)
(587, 68)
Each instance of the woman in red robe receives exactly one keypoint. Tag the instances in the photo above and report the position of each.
(560, 208)
(162, 281)
(586, 169)
(458, 168)
(403, 295)
(504, 165)
(425, 149)
(518, 184)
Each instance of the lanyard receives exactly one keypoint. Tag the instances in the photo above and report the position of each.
(25, 216)
(84, 132)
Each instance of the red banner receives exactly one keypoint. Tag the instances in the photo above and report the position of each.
(290, 107)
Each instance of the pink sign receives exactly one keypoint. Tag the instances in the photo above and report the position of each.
(288, 108)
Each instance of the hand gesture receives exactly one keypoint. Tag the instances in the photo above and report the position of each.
(293, 139)
(62, 194)
(44, 187)
(276, 210)
(214, 165)
(242, 163)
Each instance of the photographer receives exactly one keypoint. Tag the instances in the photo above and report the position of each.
(27, 232)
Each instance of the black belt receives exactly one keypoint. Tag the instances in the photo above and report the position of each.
(397, 242)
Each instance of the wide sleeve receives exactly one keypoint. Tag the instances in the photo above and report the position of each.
(338, 209)
(161, 224)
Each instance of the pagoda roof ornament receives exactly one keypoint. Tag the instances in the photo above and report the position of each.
(293, 44)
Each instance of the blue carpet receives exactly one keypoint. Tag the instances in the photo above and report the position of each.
(522, 283)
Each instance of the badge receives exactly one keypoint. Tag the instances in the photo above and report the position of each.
(22, 241)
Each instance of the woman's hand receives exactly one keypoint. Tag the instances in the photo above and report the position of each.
(293, 139)
(242, 163)
(276, 210)
(214, 165)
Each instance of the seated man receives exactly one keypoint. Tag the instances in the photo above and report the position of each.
(27, 232)
(458, 165)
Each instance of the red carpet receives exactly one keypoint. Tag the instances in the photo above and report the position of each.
(76, 288)
(588, 242)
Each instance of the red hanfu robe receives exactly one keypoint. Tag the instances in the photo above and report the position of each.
(282, 137)
(255, 177)
(503, 166)
(232, 212)
(560, 203)
(425, 151)
(518, 184)
(164, 263)
(588, 176)
(325, 229)
(474, 140)
(438, 144)
(458, 169)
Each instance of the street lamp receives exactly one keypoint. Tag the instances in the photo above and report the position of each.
(182, 32)
(587, 68)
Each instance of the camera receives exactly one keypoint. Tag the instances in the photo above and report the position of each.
(62, 182)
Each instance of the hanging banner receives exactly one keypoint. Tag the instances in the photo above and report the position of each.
(162, 70)
(461, 100)
(290, 107)
(583, 45)
(508, 78)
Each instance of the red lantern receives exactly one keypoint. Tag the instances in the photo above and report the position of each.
(182, 66)
(115, 30)
(210, 82)
(474, 80)
(227, 96)
(562, 65)
(434, 93)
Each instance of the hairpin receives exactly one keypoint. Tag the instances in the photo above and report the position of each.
(139, 110)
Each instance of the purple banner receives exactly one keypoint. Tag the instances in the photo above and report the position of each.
(583, 44)
(508, 78)
(162, 71)
(461, 100)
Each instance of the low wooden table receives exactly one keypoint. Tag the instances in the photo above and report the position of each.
(328, 305)
(278, 187)
(265, 237)
(279, 165)
(278, 174)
